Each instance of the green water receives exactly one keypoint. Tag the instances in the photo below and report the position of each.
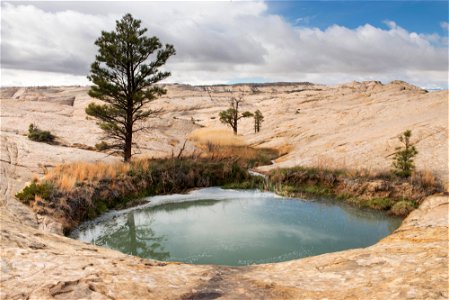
(215, 226)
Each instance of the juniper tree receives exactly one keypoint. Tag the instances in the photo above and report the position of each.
(123, 76)
(231, 116)
(403, 164)
(258, 119)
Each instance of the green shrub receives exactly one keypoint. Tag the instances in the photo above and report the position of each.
(251, 183)
(318, 190)
(102, 146)
(403, 164)
(37, 135)
(402, 208)
(29, 193)
(379, 203)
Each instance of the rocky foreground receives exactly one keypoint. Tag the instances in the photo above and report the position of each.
(412, 263)
(353, 125)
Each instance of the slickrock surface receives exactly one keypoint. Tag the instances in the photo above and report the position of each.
(412, 263)
(354, 124)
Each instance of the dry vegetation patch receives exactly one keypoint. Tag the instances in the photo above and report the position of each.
(216, 136)
(364, 188)
(72, 193)
(65, 177)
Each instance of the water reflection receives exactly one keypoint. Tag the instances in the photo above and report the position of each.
(139, 241)
(216, 226)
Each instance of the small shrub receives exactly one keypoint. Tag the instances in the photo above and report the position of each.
(252, 183)
(318, 190)
(37, 135)
(380, 203)
(29, 193)
(258, 119)
(403, 164)
(402, 208)
(102, 146)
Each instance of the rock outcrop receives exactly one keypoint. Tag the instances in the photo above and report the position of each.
(411, 263)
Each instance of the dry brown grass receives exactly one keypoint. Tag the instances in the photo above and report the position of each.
(141, 163)
(285, 149)
(222, 143)
(216, 136)
(67, 176)
(425, 178)
(219, 151)
(328, 163)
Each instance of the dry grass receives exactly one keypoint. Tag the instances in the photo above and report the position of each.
(67, 176)
(141, 163)
(218, 143)
(215, 136)
(328, 163)
(79, 191)
(219, 151)
(284, 149)
(425, 178)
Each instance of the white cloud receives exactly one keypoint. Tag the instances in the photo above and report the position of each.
(60, 42)
(444, 25)
(14, 77)
(220, 42)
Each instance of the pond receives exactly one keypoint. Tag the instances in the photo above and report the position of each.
(235, 227)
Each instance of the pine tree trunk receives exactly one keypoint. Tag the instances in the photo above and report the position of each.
(128, 147)
(234, 123)
(129, 134)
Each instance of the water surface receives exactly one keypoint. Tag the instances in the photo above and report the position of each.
(230, 227)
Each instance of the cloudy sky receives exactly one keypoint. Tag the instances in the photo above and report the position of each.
(45, 43)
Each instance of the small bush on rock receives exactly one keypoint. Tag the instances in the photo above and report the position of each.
(403, 164)
(402, 208)
(37, 135)
(102, 146)
(43, 190)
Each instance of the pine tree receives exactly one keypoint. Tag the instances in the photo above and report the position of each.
(403, 164)
(123, 76)
(231, 116)
(258, 119)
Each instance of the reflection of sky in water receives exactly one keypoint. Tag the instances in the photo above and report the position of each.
(236, 227)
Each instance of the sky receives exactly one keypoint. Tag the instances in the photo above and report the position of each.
(329, 42)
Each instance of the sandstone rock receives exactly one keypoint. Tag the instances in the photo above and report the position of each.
(353, 126)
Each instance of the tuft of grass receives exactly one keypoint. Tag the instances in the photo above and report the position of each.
(380, 203)
(374, 203)
(318, 189)
(251, 183)
(425, 178)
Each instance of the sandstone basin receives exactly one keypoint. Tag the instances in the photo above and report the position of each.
(354, 125)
